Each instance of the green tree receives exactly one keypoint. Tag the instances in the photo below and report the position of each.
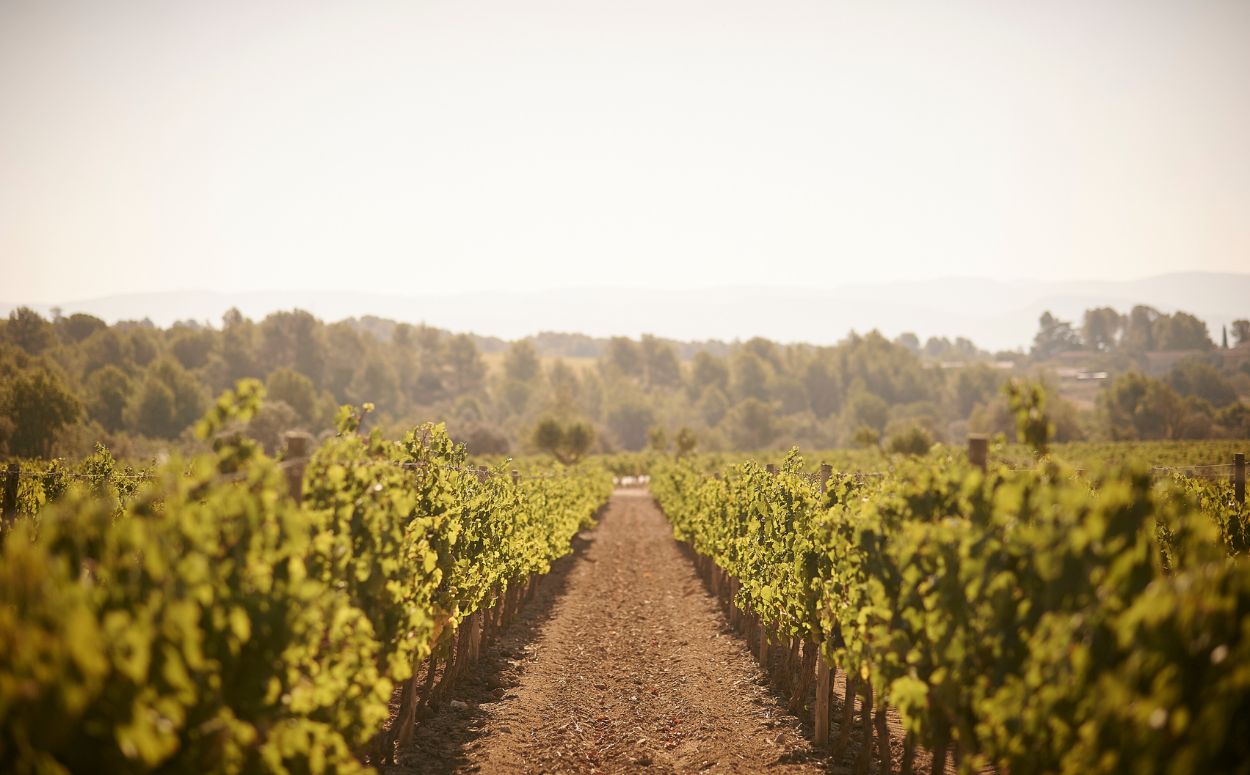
(707, 371)
(564, 384)
(482, 439)
(822, 386)
(151, 410)
(237, 358)
(515, 396)
(579, 437)
(108, 390)
(521, 370)
(750, 376)
(28, 330)
(660, 365)
(190, 399)
(37, 405)
(192, 346)
(521, 362)
(1139, 329)
(293, 339)
(624, 357)
(685, 442)
(1053, 337)
(295, 390)
(345, 350)
(865, 409)
(567, 442)
(1138, 407)
(751, 425)
(1028, 402)
(168, 401)
(79, 326)
(971, 385)
(936, 347)
(712, 405)
(1181, 331)
(1241, 332)
(913, 440)
(142, 343)
(865, 437)
(629, 422)
(1195, 377)
(764, 349)
(464, 368)
(790, 394)
(1101, 328)
(105, 348)
(909, 340)
(657, 439)
(377, 383)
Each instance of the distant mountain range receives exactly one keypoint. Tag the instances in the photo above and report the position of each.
(995, 315)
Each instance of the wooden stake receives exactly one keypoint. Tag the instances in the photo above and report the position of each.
(298, 446)
(763, 629)
(884, 763)
(978, 450)
(909, 754)
(475, 636)
(407, 714)
(11, 476)
(848, 710)
(939, 754)
(826, 471)
(865, 740)
(824, 695)
(1239, 477)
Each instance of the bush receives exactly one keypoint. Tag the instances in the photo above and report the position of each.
(912, 441)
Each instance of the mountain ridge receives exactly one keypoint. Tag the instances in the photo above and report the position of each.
(995, 314)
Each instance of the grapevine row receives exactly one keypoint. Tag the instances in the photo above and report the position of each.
(1031, 621)
(211, 622)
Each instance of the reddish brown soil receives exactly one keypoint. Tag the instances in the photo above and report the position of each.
(623, 662)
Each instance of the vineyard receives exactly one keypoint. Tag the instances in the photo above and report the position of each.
(1055, 609)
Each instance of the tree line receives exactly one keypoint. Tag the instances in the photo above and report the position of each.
(1142, 329)
(71, 381)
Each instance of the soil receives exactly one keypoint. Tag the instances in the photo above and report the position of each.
(622, 662)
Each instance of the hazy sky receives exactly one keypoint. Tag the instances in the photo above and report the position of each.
(416, 147)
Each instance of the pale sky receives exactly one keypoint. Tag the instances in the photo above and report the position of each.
(419, 147)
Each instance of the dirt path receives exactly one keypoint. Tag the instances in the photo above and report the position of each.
(622, 663)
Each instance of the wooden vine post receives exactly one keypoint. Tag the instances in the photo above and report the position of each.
(978, 450)
(824, 694)
(295, 460)
(11, 476)
(763, 630)
(824, 674)
(1239, 477)
(758, 621)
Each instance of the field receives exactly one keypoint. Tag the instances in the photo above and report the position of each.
(395, 605)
